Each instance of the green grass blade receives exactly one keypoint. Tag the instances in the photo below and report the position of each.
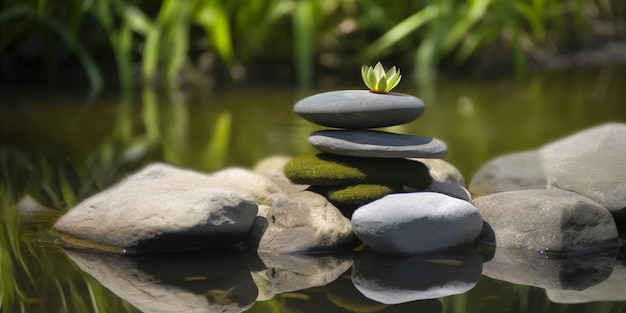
(468, 18)
(532, 18)
(304, 36)
(213, 18)
(401, 30)
(89, 64)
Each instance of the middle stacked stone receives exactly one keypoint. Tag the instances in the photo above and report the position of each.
(357, 164)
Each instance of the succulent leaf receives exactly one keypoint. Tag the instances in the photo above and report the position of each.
(381, 84)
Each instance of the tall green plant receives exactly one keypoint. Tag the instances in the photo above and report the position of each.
(68, 33)
(165, 37)
(459, 28)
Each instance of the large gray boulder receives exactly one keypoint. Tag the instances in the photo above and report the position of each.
(300, 222)
(592, 163)
(161, 208)
(414, 223)
(546, 219)
(514, 171)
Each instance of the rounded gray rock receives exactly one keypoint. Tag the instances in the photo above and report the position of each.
(358, 109)
(592, 163)
(377, 144)
(515, 171)
(547, 220)
(419, 222)
(300, 222)
(160, 209)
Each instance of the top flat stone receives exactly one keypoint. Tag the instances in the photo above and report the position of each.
(377, 144)
(359, 109)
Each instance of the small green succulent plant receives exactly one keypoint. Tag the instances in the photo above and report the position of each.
(377, 80)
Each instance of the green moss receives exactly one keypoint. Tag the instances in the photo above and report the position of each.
(335, 170)
(360, 194)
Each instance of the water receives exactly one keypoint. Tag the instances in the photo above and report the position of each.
(59, 148)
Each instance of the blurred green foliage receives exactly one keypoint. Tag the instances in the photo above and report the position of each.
(171, 43)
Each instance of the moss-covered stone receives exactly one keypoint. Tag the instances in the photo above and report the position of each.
(335, 170)
(360, 194)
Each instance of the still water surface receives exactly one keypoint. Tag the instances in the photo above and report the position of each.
(59, 148)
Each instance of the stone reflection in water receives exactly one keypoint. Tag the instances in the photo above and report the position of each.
(527, 267)
(611, 289)
(344, 294)
(280, 273)
(191, 283)
(394, 280)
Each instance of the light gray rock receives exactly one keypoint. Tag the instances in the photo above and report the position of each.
(293, 272)
(160, 208)
(202, 283)
(257, 185)
(300, 222)
(553, 219)
(32, 211)
(447, 179)
(449, 189)
(273, 167)
(377, 144)
(358, 109)
(442, 171)
(419, 222)
(592, 163)
(611, 289)
(514, 171)
(393, 280)
(532, 268)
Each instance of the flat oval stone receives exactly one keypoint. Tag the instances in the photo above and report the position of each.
(377, 144)
(357, 109)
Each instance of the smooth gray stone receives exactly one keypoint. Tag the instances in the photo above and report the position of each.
(393, 280)
(592, 163)
(358, 109)
(547, 219)
(377, 144)
(417, 222)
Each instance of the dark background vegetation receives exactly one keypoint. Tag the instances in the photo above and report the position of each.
(216, 43)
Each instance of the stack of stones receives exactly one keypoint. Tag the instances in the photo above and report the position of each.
(357, 164)
(374, 176)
